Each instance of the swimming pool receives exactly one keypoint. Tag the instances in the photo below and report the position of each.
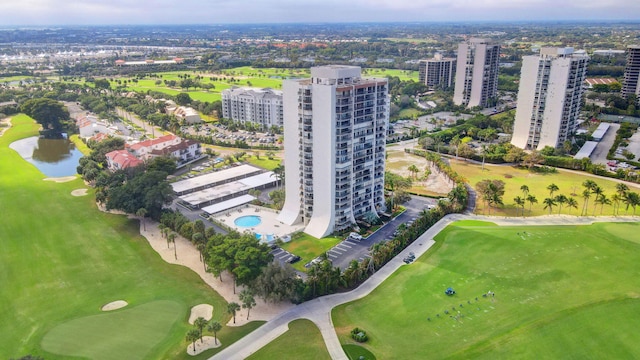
(248, 221)
(267, 238)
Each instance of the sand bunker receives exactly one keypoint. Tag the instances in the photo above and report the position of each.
(61, 179)
(114, 305)
(202, 310)
(208, 342)
(79, 192)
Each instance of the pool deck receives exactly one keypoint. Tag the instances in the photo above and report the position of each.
(268, 226)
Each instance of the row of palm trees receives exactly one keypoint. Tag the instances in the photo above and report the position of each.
(196, 333)
(623, 196)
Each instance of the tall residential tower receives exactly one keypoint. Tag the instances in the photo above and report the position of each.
(631, 83)
(335, 126)
(437, 72)
(549, 97)
(476, 73)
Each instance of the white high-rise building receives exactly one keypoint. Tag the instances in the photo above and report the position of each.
(631, 83)
(335, 127)
(259, 106)
(437, 72)
(476, 73)
(549, 97)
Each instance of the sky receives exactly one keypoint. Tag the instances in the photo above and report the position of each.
(117, 12)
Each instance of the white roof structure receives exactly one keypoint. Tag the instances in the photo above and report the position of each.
(600, 131)
(586, 150)
(225, 205)
(213, 179)
(228, 190)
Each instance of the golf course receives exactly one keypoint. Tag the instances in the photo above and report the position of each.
(526, 292)
(62, 259)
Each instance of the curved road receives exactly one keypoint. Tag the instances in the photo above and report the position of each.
(319, 310)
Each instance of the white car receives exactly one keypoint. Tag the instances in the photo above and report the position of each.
(355, 236)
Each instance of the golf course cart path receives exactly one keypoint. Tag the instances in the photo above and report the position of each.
(319, 310)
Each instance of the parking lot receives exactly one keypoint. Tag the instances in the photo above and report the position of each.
(222, 133)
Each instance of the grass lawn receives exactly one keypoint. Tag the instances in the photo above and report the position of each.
(409, 113)
(308, 248)
(84, 149)
(560, 292)
(302, 341)
(263, 162)
(569, 184)
(357, 352)
(62, 259)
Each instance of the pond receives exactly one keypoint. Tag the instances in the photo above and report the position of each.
(53, 157)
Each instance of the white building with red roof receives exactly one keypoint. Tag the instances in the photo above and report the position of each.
(144, 148)
(173, 146)
(122, 159)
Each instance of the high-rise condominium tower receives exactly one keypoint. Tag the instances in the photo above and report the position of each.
(549, 97)
(476, 73)
(437, 72)
(631, 83)
(335, 126)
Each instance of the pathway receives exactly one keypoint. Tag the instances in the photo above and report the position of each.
(319, 310)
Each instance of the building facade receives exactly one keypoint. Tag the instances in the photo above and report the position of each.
(437, 73)
(335, 127)
(259, 106)
(549, 97)
(476, 73)
(631, 82)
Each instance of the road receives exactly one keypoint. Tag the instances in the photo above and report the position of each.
(599, 154)
(319, 310)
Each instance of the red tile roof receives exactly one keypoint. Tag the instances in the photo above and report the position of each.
(123, 158)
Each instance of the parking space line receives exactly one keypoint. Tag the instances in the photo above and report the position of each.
(335, 251)
(349, 242)
(345, 245)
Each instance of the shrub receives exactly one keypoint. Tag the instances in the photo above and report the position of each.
(359, 335)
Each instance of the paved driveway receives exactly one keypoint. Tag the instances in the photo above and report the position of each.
(599, 154)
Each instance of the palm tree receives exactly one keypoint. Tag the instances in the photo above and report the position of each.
(632, 199)
(172, 238)
(414, 170)
(589, 184)
(616, 199)
(200, 323)
(572, 203)
(278, 172)
(561, 200)
(621, 189)
(192, 336)
(549, 203)
(586, 194)
(248, 301)
(520, 202)
(532, 200)
(598, 192)
(214, 327)
(232, 308)
(141, 213)
(525, 190)
(552, 188)
(603, 200)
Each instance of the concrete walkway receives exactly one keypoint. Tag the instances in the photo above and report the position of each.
(319, 310)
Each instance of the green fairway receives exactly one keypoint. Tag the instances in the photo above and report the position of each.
(560, 292)
(62, 259)
(122, 334)
(302, 341)
(570, 184)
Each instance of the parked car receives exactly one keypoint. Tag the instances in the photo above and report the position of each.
(355, 236)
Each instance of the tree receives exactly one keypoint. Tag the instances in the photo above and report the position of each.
(395, 182)
(248, 301)
(232, 308)
(572, 203)
(200, 323)
(214, 327)
(532, 159)
(192, 336)
(552, 188)
(532, 200)
(276, 282)
(519, 202)
(549, 203)
(141, 213)
(172, 238)
(525, 190)
(278, 172)
(632, 199)
(598, 192)
(47, 112)
(560, 200)
(491, 191)
(586, 194)
(414, 170)
(602, 200)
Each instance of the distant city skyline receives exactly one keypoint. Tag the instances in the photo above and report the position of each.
(121, 12)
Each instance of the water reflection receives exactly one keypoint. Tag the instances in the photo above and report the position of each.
(53, 157)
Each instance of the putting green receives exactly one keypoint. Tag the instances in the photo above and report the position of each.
(121, 334)
(560, 292)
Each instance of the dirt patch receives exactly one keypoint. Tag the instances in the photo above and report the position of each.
(61, 179)
(79, 192)
(203, 310)
(398, 162)
(208, 342)
(5, 124)
(114, 305)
